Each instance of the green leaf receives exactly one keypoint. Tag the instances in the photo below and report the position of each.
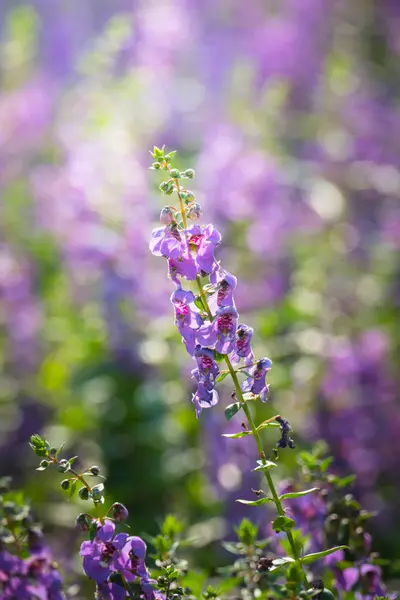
(325, 463)
(310, 558)
(233, 547)
(222, 376)
(72, 460)
(218, 356)
(232, 409)
(255, 502)
(298, 494)
(60, 449)
(72, 489)
(238, 435)
(283, 523)
(264, 465)
(264, 425)
(199, 303)
(281, 562)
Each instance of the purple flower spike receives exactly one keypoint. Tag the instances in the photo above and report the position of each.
(243, 344)
(225, 284)
(256, 384)
(187, 319)
(101, 558)
(221, 333)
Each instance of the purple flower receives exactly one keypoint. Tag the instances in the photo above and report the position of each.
(243, 344)
(221, 333)
(183, 266)
(202, 243)
(285, 441)
(206, 363)
(367, 577)
(110, 591)
(187, 319)
(167, 241)
(256, 384)
(149, 592)
(225, 284)
(206, 396)
(105, 553)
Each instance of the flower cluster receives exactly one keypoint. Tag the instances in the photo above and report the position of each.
(115, 561)
(206, 319)
(27, 569)
(110, 559)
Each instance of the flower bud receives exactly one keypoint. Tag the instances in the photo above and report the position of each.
(189, 173)
(167, 187)
(194, 211)
(175, 173)
(83, 493)
(83, 521)
(63, 466)
(94, 470)
(65, 484)
(97, 492)
(187, 196)
(53, 450)
(119, 512)
(44, 464)
(166, 216)
(156, 165)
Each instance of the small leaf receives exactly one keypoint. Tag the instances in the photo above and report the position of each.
(59, 450)
(198, 302)
(264, 465)
(72, 460)
(72, 489)
(264, 425)
(41, 468)
(232, 409)
(218, 356)
(281, 562)
(238, 435)
(310, 558)
(298, 494)
(222, 376)
(283, 523)
(255, 502)
(232, 547)
(325, 463)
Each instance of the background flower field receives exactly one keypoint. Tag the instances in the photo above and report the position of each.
(289, 113)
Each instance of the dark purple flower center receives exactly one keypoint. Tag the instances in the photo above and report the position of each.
(206, 363)
(258, 373)
(223, 291)
(225, 322)
(108, 551)
(36, 567)
(182, 310)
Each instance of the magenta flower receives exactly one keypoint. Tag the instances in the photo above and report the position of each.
(256, 384)
(167, 241)
(206, 363)
(243, 345)
(367, 578)
(221, 333)
(187, 318)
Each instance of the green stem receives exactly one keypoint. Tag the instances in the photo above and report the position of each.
(248, 414)
(257, 438)
(126, 585)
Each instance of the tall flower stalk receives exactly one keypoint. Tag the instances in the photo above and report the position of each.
(207, 320)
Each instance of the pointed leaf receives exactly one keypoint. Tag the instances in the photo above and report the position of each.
(255, 502)
(298, 494)
(238, 435)
(222, 376)
(60, 449)
(72, 488)
(283, 523)
(281, 562)
(232, 409)
(72, 460)
(310, 558)
(265, 465)
(264, 425)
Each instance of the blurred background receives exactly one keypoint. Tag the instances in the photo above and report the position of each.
(289, 112)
